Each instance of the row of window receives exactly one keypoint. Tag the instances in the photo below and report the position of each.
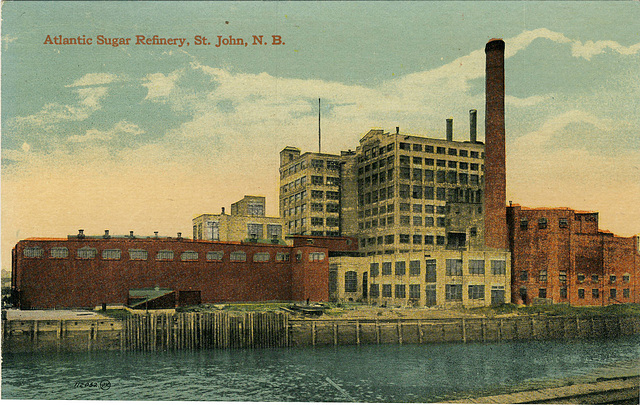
(419, 175)
(418, 147)
(595, 293)
(453, 268)
(453, 292)
(417, 161)
(162, 255)
(543, 223)
(329, 221)
(562, 277)
(429, 222)
(315, 207)
(406, 191)
(315, 194)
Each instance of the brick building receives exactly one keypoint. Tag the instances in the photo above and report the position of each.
(83, 271)
(559, 255)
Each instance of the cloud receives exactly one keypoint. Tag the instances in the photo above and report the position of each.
(91, 96)
(119, 130)
(159, 85)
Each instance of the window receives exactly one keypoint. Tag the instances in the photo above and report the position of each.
(111, 254)
(238, 256)
(626, 293)
(475, 154)
(414, 291)
(164, 255)
(595, 278)
(388, 239)
(428, 221)
(439, 240)
(428, 239)
(215, 256)
(524, 275)
(613, 293)
(400, 268)
(256, 230)
(405, 173)
(386, 290)
(414, 268)
(440, 150)
(374, 290)
(542, 223)
(59, 253)
(476, 266)
(404, 238)
(454, 267)
(138, 254)
(524, 224)
(430, 271)
(87, 253)
(498, 267)
(562, 277)
(542, 293)
(317, 194)
(563, 223)
(333, 181)
(612, 279)
(317, 164)
(417, 239)
(417, 160)
(563, 292)
(374, 269)
(274, 231)
(332, 195)
(542, 276)
(333, 207)
(440, 221)
(386, 268)
(350, 282)
(261, 257)
(440, 194)
(581, 293)
(332, 221)
(189, 256)
(476, 292)
(317, 180)
(317, 221)
(580, 278)
(595, 293)
(626, 278)
(400, 291)
(453, 292)
(316, 256)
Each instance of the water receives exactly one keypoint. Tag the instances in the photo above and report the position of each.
(388, 373)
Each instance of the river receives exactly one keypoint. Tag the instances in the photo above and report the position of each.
(386, 373)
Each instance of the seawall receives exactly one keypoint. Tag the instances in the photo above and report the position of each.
(220, 330)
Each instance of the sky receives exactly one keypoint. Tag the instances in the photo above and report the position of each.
(146, 137)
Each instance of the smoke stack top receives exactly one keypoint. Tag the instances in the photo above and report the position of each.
(449, 129)
(473, 124)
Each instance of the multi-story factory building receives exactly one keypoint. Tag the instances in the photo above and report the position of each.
(310, 191)
(247, 221)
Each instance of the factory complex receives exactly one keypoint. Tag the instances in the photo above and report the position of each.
(402, 220)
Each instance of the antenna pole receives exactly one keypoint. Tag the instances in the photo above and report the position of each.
(319, 136)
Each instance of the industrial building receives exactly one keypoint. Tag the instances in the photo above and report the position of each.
(89, 271)
(561, 256)
(247, 221)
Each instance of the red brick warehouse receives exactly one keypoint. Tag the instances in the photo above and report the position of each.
(90, 271)
(559, 255)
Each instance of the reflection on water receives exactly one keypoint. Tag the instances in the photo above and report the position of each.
(388, 373)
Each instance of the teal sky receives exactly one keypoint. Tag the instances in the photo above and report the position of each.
(144, 138)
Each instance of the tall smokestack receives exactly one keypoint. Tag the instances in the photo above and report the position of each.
(495, 182)
(449, 129)
(473, 119)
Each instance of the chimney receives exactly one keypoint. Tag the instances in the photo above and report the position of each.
(495, 182)
(106, 234)
(397, 130)
(131, 234)
(179, 235)
(222, 210)
(80, 233)
(449, 129)
(473, 119)
(156, 234)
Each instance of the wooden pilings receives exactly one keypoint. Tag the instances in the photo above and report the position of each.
(195, 331)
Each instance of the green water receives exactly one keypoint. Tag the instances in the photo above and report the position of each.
(387, 373)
